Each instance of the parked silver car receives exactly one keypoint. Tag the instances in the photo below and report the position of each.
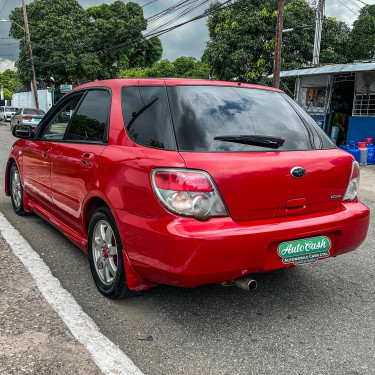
(7, 112)
(27, 116)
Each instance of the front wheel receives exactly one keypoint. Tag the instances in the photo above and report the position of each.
(105, 255)
(16, 191)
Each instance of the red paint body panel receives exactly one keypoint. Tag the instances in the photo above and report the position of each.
(73, 168)
(266, 204)
(263, 182)
(185, 252)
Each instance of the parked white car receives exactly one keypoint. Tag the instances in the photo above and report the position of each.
(6, 113)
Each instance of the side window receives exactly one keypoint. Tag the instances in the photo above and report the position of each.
(90, 122)
(19, 111)
(57, 127)
(146, 116)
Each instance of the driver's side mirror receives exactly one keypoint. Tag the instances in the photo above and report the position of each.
(23, 131)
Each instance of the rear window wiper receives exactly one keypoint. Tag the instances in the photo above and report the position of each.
(255, 140)
(136, 114)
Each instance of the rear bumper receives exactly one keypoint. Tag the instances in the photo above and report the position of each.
(181, 251)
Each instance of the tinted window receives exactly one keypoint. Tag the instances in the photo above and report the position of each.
(201, 113)
(146, 116)
(57, 127)
(90, 121)
(33, 111)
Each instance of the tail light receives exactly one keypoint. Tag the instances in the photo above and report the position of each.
(28, 118)
(353, 186)
(188, 192)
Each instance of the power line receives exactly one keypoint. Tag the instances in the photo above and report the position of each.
(6, 2)
(348, 7)
(363, 2)
(191, 6)
(163, 15)
(355, 3)
(140, 40)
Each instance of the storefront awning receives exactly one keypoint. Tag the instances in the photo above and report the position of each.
(328, 69)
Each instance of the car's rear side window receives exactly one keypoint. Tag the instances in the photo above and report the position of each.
(33, 111)
(201, 113)
(91, 119)
(147, 117)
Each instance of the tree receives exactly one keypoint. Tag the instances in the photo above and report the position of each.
(242, 39)
(73, 45)
(122, 24)
(10, 80)
(362, 37)
(335, 41)
(182, 67)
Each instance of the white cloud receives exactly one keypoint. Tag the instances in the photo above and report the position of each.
(6, 64)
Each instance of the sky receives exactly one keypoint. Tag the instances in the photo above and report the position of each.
(188, 40)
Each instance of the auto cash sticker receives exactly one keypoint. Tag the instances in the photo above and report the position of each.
(304, 250)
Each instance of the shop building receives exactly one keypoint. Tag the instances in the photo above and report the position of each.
(340, 98)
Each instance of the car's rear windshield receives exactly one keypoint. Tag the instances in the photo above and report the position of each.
(202, 113)
(33, 111)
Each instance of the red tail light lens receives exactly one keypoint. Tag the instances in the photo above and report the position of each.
(182, 181)
(353, 186)
(188, 193)
(28, 118)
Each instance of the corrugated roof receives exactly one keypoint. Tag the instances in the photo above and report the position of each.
(328, 69)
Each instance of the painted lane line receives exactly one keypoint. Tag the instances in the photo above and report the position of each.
(109, 358)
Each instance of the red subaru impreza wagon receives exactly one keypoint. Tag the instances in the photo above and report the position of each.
(186, 182)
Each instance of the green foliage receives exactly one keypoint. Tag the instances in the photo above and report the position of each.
(242, 40)
(10, 81)
(62, 31)
(362, 38)
(7, 94)
(335, 41)
(182, 67)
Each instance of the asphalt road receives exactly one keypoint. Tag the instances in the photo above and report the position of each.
(313, 319)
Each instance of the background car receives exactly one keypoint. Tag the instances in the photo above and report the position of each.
(6, 113)
(27, 116)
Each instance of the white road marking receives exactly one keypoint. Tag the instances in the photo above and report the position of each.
(109, 358)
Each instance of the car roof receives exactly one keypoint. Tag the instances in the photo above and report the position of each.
(119, 82)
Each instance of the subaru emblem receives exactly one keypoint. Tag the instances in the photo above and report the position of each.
(298, 172)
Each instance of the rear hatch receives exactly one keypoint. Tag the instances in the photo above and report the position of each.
(261, 185)
(254, 178)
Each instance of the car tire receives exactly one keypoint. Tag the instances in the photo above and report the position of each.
(16, 191)
(105, 255)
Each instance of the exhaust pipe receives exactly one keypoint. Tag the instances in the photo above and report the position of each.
(246, 283)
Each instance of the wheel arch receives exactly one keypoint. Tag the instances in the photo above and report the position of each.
(90, 207)
(11, 161)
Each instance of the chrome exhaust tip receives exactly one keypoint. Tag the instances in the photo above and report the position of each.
(246, 283)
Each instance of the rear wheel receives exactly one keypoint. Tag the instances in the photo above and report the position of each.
(16, 191)
(105, 255)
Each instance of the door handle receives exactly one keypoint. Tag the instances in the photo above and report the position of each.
(87, 159)
(46, 152)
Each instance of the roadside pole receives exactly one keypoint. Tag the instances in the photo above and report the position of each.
(318, 31)
(30, 52)
(278, 44)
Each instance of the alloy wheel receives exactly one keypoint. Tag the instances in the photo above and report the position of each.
(105, 252)
(16, 188)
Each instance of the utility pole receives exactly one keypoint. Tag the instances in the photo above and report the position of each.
(30, 52)
(318, 31)
(278, 44)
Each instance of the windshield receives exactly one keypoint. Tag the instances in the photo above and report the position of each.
(203, 115)
(10, 109)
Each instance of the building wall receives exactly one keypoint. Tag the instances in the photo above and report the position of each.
(365, 82)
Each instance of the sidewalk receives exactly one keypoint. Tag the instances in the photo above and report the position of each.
(33, 339)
